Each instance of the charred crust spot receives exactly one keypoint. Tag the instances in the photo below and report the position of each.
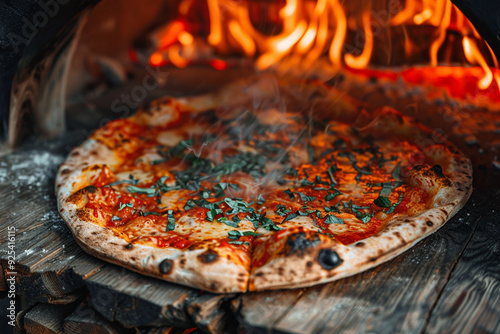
(65, 171)
(360, 244)
(75, 153)
(372, 259)
(413, 225)
(309, 264)
(93, 233)
(62, 210)
(417, 168)
(208, 257)
(90, 189)
(166, 266)
(407, 220)
(429, 223)
(182, 262)
(281, 271)
(398, 235)
(259, 274)
(438, 170)
(298, 243)
(214, 285)
(129, 245)
(444, 212)
(329, 259)
(241, 280)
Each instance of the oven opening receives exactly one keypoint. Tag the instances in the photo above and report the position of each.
(412, 56)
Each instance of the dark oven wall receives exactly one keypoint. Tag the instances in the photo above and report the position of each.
(29, 31)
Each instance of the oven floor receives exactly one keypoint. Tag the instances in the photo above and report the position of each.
(447, 283)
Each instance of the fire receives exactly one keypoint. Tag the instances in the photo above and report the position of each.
(316, 30)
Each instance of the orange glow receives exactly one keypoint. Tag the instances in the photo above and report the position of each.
(170, 34)
(156, 59)
(175, 57)
(218, 64)
(362, 60)
(302, 32)
(474, 57)
(404, 15)
(185, 38)
(242, 37)
(215, 36)
(436, 45)
(335, 52)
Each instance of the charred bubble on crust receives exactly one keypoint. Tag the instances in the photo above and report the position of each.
(129, 246)
(329, 259)
(298, 243)
(209, 256)
(438, 170)
(166, 266)
(429, 223)
(90, 189)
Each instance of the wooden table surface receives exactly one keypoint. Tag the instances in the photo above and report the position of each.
(447, 283)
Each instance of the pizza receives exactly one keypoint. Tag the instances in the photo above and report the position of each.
(265, 184)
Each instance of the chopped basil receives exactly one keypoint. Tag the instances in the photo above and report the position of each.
(382, 202)
(365, 217)
(236, 219)
(150, 213)
(386, 189)
(396, 173)
(212, 213)
(239, 242)
(394, 206)
(170, 220)
(227, 222)
(115, 218)
(136, 190)
(331, 209)
(123, 206)
(289, 193)
(290, 217)
(332, 169)
(261, 220)
(235, 234)
(282, 210)
(304, 197)
(269, 225)
(260, 200)
(219, 190)
(161, 181)
(332, 219)
(238, 205)
(331, 196)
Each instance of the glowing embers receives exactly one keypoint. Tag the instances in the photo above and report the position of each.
(295, 34)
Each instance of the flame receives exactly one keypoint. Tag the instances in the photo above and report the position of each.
(474, 56)
(312, 31)
(362, 60)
